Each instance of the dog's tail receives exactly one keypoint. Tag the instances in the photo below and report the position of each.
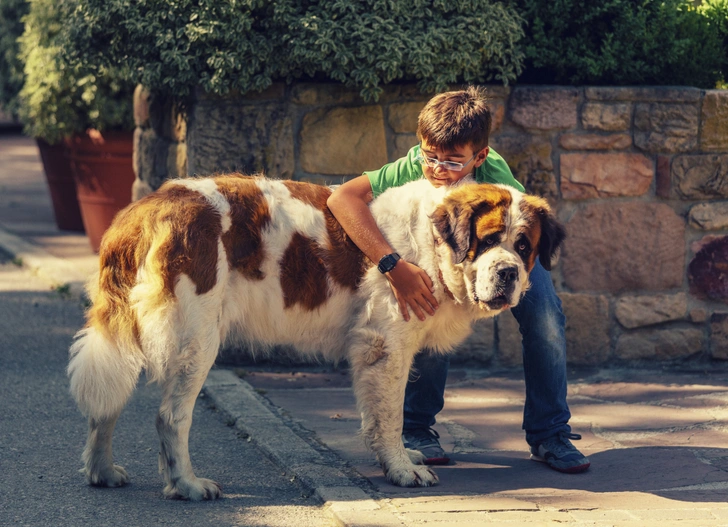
(106, 358)
(102, 375)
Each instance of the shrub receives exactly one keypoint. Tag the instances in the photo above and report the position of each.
(173, 47)
(59, 99)
(717, 12)
(619, 42)
(11, 68)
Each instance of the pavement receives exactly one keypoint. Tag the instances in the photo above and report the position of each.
(657, 439)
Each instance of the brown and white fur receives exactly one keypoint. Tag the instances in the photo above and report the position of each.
(205, 260)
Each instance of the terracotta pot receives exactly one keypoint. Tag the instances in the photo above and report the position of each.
(104, 174)
(57, 168)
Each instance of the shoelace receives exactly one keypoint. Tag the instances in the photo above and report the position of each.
(423, 437)
(560, 444)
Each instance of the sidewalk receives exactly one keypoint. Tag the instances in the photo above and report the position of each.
(657, 440)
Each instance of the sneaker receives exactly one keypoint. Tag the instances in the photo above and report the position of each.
(558, 452)
(425, 440)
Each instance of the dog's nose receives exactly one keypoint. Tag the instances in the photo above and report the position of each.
(508, 275)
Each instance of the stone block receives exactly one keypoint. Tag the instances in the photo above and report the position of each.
(714, 129)
(629, 246)
(595, 141)
(700, 176)
(343, 140)
(708, 271)
(636, 311)
(650, 93)
(141, 106)
(401, 145)
(587, 328)
(510, 341)
(606, 117)
(497, 113)
(544, 108)
(529, 157)
(167, 119)
(709, 216)
(660, 344)
(666, 127)
(663, 181)
(402, 117)
(310, 94)
(177, 160)
(719, 336)
(585, 176)
(480, 345)
(224, 136)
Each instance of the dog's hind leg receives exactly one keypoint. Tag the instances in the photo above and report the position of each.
(380, 370)
(103, 376)
(180, 390)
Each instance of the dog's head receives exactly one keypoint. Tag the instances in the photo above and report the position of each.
(495, 234)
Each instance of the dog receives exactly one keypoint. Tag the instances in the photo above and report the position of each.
(204, 260)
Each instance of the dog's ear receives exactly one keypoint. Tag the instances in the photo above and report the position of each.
(552, 235)
(452, 222)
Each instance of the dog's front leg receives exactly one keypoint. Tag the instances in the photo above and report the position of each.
(180, 390)
(380, 370)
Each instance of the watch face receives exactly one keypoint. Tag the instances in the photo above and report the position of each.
(388, 262)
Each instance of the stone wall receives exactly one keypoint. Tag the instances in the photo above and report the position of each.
(639, 176)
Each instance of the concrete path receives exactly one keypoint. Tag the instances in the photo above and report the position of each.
(657, 440)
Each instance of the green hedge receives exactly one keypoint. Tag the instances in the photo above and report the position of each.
(11, 68)
(624, 42)
(172, 47)
(58, 98)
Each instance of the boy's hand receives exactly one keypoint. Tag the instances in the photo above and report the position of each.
(412, 287)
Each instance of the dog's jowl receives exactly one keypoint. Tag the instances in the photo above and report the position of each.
(204, 261)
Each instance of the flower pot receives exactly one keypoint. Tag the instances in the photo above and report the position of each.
(103, 171)
(62, 188)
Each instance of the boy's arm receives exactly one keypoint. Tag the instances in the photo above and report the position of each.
(410, 284)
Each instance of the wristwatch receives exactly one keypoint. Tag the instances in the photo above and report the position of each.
(388, 262)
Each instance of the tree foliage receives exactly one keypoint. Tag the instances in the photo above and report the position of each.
(59, 99)
(621, 42)
(172, 46)
(11, 68)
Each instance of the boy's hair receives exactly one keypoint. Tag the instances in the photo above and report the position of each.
(456, 118)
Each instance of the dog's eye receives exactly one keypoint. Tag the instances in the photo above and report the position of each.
(523, 247)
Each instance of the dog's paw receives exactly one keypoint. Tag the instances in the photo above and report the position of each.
(115, 476)
(417, 457)
(195, 489)
(413, 476)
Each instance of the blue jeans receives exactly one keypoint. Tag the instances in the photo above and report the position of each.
(541, 322)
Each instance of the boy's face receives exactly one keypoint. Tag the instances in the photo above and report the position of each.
(439, 175)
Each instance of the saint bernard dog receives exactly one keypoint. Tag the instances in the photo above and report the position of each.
(203, 261)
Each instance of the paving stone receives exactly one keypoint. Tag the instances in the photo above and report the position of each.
(476, 503)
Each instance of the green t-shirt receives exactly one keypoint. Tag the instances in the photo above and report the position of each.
(494, 170)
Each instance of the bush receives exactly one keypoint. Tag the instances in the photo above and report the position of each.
(717, 12)
(11, 68)
(173, 47)
(59, 99)
(620, 42)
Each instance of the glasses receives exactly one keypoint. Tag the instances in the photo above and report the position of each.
(431, 162)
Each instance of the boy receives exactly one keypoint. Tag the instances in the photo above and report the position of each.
(453, 129)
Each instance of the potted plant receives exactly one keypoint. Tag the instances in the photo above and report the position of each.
(88, 111)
